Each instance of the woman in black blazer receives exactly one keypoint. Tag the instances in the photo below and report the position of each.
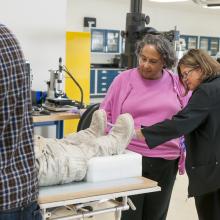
(199, 122)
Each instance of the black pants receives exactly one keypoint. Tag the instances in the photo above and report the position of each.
(208, 206)
(154, 206)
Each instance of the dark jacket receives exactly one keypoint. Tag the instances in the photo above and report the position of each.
(199, 121)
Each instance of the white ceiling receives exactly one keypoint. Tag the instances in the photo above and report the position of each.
(207, 1)
(187, 5)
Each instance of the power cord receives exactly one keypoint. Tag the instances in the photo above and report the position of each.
(64, 68)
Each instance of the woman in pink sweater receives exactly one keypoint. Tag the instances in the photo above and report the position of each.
(150, 93)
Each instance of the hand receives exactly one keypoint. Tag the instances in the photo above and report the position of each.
(139, 134)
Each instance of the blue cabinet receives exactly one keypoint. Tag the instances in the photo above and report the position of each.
(92, 81)
(105, 41)
(210, 44)
(191, 41)
(100, 80)
(98, 40)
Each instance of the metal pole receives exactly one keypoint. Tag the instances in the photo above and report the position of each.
(136, 6)
(135, 22)
(83, 215)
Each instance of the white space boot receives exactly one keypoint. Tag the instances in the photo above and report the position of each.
(96, 129)
(115, 142)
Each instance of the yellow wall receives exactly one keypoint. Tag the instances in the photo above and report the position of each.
(78, 63)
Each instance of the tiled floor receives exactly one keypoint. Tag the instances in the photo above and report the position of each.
(181, 207)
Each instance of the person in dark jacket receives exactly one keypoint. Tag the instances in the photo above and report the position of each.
(199, 122)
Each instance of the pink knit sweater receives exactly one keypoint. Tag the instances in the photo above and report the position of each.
(149, 102)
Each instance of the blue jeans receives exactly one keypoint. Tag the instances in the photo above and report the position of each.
(29, 212)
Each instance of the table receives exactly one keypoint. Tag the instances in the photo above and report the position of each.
(84, 193)
(55, 118)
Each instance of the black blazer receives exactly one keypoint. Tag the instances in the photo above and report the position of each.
(199, 121)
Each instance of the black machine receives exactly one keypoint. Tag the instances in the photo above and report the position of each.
(135, 30)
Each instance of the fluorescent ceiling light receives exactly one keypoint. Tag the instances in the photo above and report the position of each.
(212, 6)
(167, 1)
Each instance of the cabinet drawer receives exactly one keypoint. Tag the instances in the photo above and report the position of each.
(101, 80)
(105, 79)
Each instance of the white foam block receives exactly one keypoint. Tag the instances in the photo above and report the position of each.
(114, 167)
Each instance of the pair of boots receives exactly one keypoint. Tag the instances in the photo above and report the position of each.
(65, 160)
(94, 137)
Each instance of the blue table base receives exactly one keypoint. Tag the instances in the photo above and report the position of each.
(59, 127)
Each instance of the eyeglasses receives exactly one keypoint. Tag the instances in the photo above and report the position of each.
(186, 74)
(144, 60)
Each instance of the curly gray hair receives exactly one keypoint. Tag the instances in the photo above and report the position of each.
(163, 47)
